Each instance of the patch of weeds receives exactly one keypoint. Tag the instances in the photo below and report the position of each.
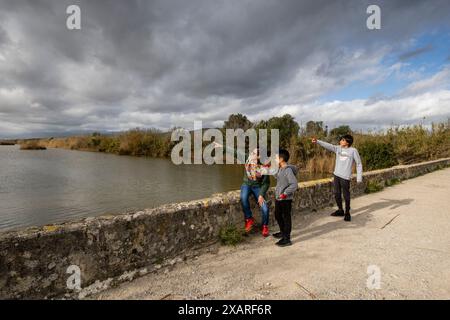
(231, 235)
(416, 174)
(391, 182)
(420, 173)
(443, 166)
(159, 260)
(373, 186)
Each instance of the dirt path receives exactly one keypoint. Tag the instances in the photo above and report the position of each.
(403, 230)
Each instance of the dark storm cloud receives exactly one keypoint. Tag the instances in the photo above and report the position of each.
(162, 63)
(3, 37)
(415, 52)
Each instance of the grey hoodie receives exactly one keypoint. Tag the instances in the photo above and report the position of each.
(286, 182)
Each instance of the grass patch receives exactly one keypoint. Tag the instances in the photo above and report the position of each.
(231, 235)
(391, 182)
(373, 186)
(418, 174)
(159, 260)
(443, 166)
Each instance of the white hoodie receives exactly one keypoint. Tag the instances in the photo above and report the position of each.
(344, 161)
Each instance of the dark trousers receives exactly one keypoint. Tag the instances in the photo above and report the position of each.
(283, 217)
(342, 186)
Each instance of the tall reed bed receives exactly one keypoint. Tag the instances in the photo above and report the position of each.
(135, 142)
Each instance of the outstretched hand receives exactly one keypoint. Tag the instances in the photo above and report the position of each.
(314, 140)
(217, 145)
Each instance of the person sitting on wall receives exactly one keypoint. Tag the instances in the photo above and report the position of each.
(256, 182)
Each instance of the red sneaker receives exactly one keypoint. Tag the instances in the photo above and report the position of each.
(265, 231)
(249, 224)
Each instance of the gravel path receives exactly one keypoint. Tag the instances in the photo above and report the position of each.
(402, 231)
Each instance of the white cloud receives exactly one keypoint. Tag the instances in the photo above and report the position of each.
(435, 82)
(433, 106)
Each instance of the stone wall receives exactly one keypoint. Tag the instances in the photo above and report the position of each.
(109, 249)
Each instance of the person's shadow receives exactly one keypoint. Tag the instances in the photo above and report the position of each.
(360, 217)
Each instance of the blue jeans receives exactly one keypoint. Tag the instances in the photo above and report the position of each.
(245, 197)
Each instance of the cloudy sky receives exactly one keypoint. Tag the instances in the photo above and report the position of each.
(167, 63)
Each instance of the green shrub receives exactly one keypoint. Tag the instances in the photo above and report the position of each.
(109, 144)
(377, 155)
(391, 182)
(230, 235)
(417, 143)
(373, 186)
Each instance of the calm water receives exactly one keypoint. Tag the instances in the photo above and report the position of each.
(39, 187)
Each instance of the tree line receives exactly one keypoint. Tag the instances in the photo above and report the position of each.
(397, 145)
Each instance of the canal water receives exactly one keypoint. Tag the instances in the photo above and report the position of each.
(39, 187)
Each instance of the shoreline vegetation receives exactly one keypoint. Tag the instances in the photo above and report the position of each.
(32, 145)
(378, 150)
(7, 143)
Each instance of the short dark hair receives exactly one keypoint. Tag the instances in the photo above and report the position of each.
(283, 153)
(348, 138)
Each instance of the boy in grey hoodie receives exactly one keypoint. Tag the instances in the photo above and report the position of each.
(284, 193)
(345, 156)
